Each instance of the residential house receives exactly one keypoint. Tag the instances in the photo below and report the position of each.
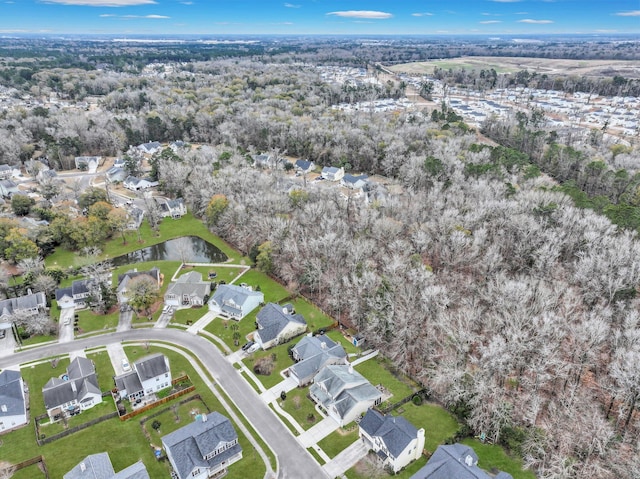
(311, 354)
(204, 448)
(134, 183)
(89, 163)
(149, 148)
(74, 295)
(46, 175)
(455, 460)
(332, 173)
(304, 166)
(262, 161)
(149, 375)
(74, 392)
(395, 440)
(116, 174)
(6, 172)
(98, 466)
(123, 281)
(189, 290)
(13, 405)
(354, 182)
(8, 188)
(343, 393)
(178, 145)
(135, 217)
(277, 325)
(172, 208)
(235, 301)
(29, 304)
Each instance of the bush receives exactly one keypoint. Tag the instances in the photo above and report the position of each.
(264, 366)
(417, 400)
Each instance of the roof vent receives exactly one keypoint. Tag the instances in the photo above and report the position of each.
(204, 418)
(323, 345)
(3, 408)
(83, 467)
(468, 460)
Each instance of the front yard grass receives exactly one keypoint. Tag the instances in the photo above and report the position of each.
(36, 377)
(301, 408)
(281, 361)
(224, 330)
(104, 370)
(338, 441)
(273, 291)
(189, 315)
(377, 372)
(88, 321)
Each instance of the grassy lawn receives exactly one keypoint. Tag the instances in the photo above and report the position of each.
(38, 339)
(124, 441)
(490, 456)
(339, 338)
(169, 229)
(183, 316)
(224, 273)
(222, 328)
(282, 361)
(300, 407)
(315, 318)
(338, 441)
(273, 291)
(438, 424)
(88, 321)
(315, 455)
(104, 369)
(377, 372)
(173, 419)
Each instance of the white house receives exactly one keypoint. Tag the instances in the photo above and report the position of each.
(277, 325)
(354, 182)
(343, 393)
(29, 304)
(331, 173)
(149, 148)
(235, 301)
(8, 188)
(134, 183)
(172, 208)
(89, 163)
(6, 172)
(149, 375)
(395, 440)
(75, 295)
(13, 406)
(304, 166)
(187, 291)
(203, 449)
(74, 392)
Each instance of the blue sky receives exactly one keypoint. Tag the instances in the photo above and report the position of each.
(427, 17)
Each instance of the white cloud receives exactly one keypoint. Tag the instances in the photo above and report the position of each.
(535, 22)
(423, 14)
(632, 13)
(291, 5)
(521, 13)
(106, 15)
(362, 14)
(488, 22)
(103, 3)
(186, 3)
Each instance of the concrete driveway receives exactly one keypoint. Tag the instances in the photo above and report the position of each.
(8, 342)
(346, 459)
(124, 322)
(116, 355)
(164, 319)
(65, 333)
(318, 432)
(272, 394)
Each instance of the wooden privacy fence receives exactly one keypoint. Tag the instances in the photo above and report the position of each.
(145, 408)
(31, 462)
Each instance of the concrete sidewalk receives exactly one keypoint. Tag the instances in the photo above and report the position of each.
(272, 394)
(202, 323)
(346, 459)
(318, 432)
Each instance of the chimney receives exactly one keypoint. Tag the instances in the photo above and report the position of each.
(350, 368)
(204, 418)
(83, 467)
(323, 345)
(468, 460)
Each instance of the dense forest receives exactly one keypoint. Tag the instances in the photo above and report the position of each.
(468, 266)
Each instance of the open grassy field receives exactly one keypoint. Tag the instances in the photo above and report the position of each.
(598, 68)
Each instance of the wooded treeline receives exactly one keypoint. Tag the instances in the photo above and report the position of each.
(516, 308)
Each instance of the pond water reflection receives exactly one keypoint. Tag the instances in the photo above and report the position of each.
(188, 249)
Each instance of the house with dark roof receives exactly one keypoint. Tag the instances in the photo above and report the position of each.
(343, 393)
(89, 163)
(204, 448)
(331, 173)
(134, 183)
(304, 166)
(135, 216)
(74, 392)
(75, 295)
(149, 148)
(98, 466)
(187, 291)
(235, 301)
(354, 182)
(116, 174)
(8, 188)
(262, 160)
(149, 375)
(124, 280)
(311, 354)
(29, 304)
(394, 440)
(455, 460)
(172, 208)
(277, 324)
(5, 172)
(13, 406)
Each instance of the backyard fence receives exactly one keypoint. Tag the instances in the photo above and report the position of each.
(71, 430)
(31, 462)
(423, 394)
(164, 400)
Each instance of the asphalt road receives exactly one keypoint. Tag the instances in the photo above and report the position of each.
(294, 460)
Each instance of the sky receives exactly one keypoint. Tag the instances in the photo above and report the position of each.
(427, 17)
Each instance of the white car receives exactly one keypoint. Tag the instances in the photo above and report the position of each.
(126, 367)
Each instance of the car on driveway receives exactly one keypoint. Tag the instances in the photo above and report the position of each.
(247, 345)
(126, 367)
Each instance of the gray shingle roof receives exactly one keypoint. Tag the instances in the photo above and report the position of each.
(449, 462)
(151, 366)
(11, 394)
(396, 432)
(129, 382)
(78, 287)
(191, 443)
(28, 301)
(98, 466)
(189, 284)
(272, 320)
(82, 376)
(314, 356)
(123, 279)
(230, 298)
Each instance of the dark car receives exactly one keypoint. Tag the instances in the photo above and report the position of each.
(248, 345)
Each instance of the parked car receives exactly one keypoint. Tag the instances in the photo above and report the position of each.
(253, 348)
(126, 367)
(3, 332)
(247, 345)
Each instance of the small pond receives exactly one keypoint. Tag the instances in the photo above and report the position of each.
(189, 249)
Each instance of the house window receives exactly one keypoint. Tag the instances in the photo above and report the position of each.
(195, 472)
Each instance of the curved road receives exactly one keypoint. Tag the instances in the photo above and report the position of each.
(295, 462)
